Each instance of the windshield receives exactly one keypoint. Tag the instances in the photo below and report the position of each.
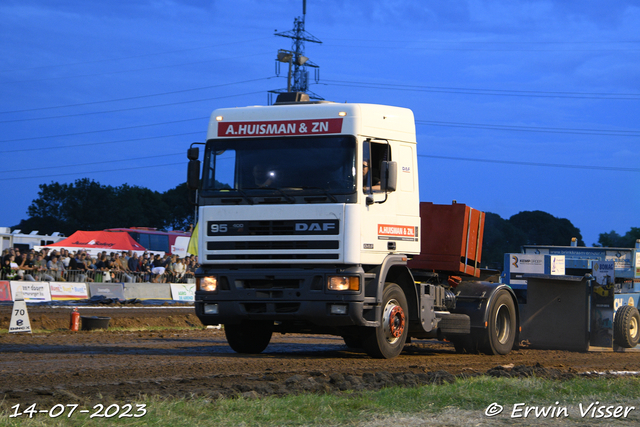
(292, 165)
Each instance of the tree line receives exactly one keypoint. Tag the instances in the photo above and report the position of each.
(88, 205)
(503, 236)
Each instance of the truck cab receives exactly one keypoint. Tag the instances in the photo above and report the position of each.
(308, 214)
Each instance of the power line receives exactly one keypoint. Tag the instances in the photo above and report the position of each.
(430, 47)
(101, 143)
(136, 97)
(130, 71)
(146, 55)
(603, 132)
(494, 92)
(103, 130)
(95, 163)
(481, 45)
(466, 159)
(120, 110)
(548, 165)
(92, 172)
(506, 42)
(123, 128)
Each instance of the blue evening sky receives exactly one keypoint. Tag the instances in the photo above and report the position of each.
(520, 105)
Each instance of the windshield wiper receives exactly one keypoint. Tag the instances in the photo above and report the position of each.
(288, 197)
(245, 196)
(324, 191)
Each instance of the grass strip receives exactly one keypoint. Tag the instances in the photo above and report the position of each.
(472, 396)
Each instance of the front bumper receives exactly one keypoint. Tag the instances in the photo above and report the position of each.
(284, 295)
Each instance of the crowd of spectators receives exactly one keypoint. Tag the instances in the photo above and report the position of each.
(125, 266)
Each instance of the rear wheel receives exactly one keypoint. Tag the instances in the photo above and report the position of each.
(387, 340)
(249, 337)
(500, 334)
(626, 332)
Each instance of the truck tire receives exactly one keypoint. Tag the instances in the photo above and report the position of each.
(249, 337)
(387, 340)
(625, 326)
(500, 334)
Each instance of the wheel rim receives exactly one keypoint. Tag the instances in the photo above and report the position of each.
(633, 327)
(393, 319)
(503, 324)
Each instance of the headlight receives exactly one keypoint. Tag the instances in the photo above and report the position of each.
(209, 283)
(343, 283)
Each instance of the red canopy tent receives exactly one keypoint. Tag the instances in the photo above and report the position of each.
(94, 242)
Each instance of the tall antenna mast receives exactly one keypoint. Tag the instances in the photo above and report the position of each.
(298, 75)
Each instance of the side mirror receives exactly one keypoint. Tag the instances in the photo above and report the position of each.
(193, 173)
(389, 176)
(193, 153)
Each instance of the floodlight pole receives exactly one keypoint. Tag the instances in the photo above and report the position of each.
(298, 76)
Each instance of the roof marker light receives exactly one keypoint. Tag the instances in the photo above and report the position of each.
(342, 113)
(219, 118)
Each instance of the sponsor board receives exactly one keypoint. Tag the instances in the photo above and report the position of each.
(5, 290)
(626, 299)
(183, 292)
(604, 272)
(68, 291)
(108, 290)
(517, 265)
(32, 291)
(622, 259)
(556, 265)
(602, 304)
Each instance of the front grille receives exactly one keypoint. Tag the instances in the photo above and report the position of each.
(269, 284)
(270, 228)
(274, 245)
(263, 308)
(314, 227)
(271, 257)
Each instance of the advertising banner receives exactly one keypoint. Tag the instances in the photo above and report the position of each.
(602, 304)
(183, 291)
(108, 290)
(32, 291)
(5, 290)
(68, 291)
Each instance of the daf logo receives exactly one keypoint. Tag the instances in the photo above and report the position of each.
(315, 226)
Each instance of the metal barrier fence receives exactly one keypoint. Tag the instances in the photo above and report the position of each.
(105, 276)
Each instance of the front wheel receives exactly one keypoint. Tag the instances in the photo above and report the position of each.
(500, 333)
(626, 332)
(387, 340)
(249, 337)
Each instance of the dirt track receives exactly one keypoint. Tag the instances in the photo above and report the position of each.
(110, 366)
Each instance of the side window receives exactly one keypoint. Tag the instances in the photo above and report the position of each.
(366, 168)
(373, 154)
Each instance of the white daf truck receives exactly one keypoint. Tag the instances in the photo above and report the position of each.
(310, 222)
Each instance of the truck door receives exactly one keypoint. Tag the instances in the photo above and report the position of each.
(380, 209)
